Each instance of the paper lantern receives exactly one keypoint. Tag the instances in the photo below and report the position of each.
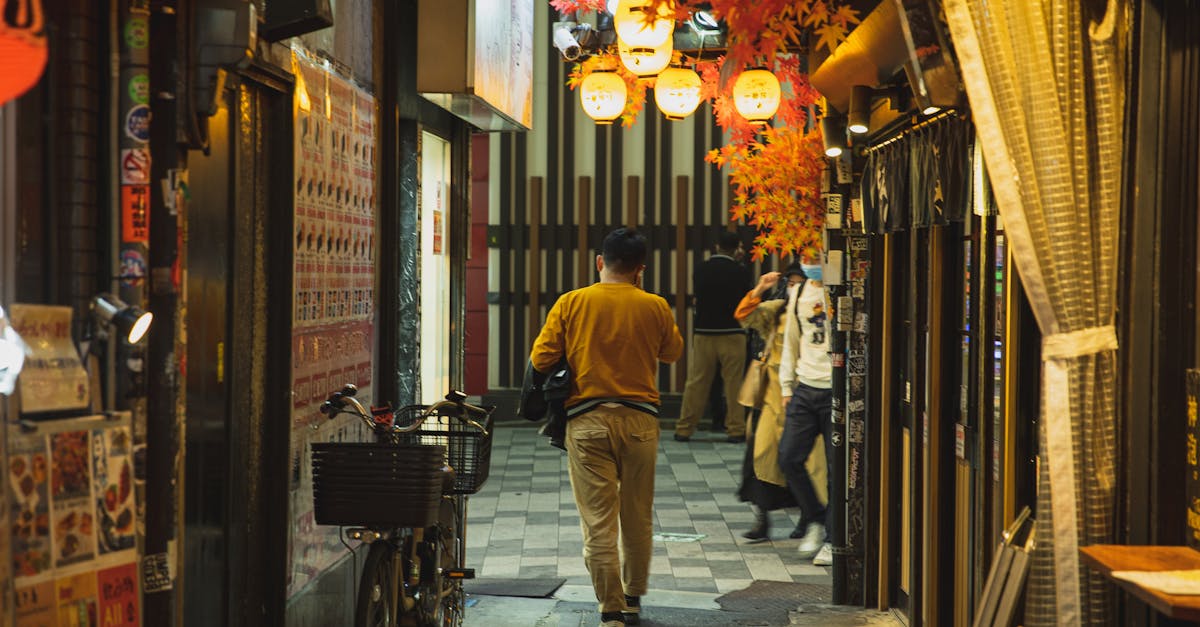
(677, 92)
(629, 20)
(645, 61)
(22, 49)
(756, 95)
(602, 95)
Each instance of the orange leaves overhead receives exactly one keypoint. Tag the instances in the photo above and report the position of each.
(774, 171)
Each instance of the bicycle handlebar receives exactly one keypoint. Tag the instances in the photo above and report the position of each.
(336, 404)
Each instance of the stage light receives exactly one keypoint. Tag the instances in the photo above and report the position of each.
(833, 129)
(860, 109)
(130, 321)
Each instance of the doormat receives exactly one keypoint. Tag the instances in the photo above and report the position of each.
(663, 536)
(776, 598)
(533, 588)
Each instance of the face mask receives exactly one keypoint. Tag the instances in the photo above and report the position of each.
(813, 271)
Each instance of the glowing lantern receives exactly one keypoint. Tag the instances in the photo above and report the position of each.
(629, 20)
(677, 92)
(22, 48)
(602, 95)
(756, 95)
(645, 61)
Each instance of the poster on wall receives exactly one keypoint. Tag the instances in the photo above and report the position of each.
(112, 482)
(35, 605)
(118, 595)
(76, 600)
(333, 307)
(29, 503)
(72, 521)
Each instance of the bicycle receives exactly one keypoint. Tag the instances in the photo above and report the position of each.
(406, 496)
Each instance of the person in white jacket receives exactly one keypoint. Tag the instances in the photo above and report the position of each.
(806, 379)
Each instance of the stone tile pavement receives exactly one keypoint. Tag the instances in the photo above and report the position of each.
(523, 524)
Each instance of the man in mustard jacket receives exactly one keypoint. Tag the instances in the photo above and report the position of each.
(613, 335)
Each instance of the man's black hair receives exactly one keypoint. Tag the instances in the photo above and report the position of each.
(795, 268)
(728, 241)
(624, 250)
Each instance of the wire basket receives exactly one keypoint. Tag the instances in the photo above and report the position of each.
(372, 484)
(468, 449)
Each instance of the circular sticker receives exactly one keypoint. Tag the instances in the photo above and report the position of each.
(133, 268)
(137, 123)
(139, 89)
(137, 36)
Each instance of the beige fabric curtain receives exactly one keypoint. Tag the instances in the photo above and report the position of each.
(1046, 88)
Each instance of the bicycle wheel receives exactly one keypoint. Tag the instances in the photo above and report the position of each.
(439, 599)
(376, 606)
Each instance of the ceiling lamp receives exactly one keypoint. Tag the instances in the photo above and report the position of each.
(602, 95)
(860, 109)
(645, 61)
(22, 48)
(756, 95)
(633, 27)
(677, 92)
(833, 130)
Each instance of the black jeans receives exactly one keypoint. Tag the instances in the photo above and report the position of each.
(808, 414)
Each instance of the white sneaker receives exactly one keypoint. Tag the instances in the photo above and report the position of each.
(814, 538)
(824, 556)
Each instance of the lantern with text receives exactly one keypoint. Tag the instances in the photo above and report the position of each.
(677, 92)
(635, 27)
(22, 47)
(756, 95)
(602, 95)
(645, 61)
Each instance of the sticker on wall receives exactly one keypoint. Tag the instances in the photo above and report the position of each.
(137, 34)
(133, 268)
(139, 89)
(135, 214)
(135, 166)
(137, 123)
(139, 6)
(76, 597)
(35, 604)
(437, 232)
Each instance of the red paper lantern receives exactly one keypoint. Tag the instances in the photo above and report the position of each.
(22, 48)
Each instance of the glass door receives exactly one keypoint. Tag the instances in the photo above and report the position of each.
(435, 268)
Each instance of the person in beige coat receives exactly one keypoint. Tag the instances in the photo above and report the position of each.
(763, 483)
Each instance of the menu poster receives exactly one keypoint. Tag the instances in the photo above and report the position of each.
(77, 600)
(29, 500)
(118, 596)
(35, 605)
(74, 537)
(53, 378)
(112, 478)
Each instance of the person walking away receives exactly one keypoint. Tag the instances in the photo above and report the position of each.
(764, 485)
(806, 382)
(718, 341)
(613, 335)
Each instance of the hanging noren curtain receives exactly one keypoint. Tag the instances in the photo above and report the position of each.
(1045, 83)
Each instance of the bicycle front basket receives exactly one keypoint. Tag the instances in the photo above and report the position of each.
(371, 484)
(468, 449)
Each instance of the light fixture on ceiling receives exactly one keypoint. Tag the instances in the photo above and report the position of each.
(756, 95)
(603, 95)
(635, 29)
(130, 322)
(833, 130)
(860, 109)
(645, 61)
(677, 92)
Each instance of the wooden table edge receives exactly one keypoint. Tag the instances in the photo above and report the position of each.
(1164, 603)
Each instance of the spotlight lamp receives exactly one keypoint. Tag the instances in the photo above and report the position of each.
(756, 95)
(833, 129)
(129, 321)
(603, 95)
(633, 28)
(645, 61)
(860, 109)
(677, 92)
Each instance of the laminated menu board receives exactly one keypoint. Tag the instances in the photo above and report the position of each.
(53, 379)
